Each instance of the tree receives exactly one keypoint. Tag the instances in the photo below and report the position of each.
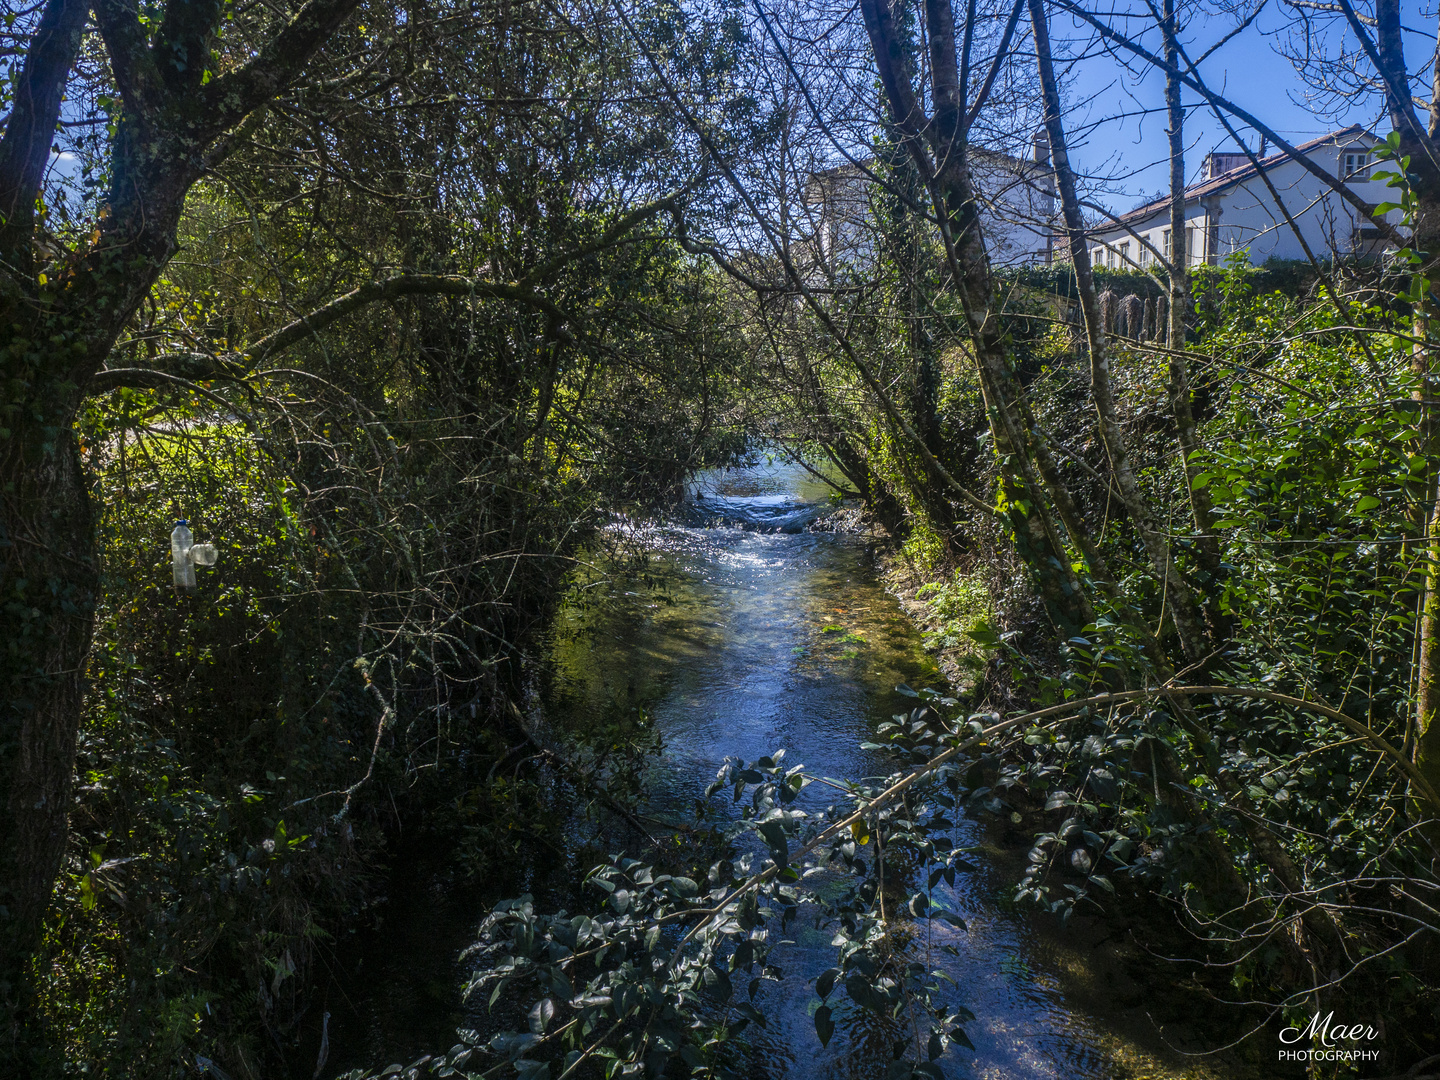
(396, 207)
(1368, 60)
(185, 84)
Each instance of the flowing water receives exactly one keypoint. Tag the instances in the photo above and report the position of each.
(743, 640)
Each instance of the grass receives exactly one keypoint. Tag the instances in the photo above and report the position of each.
(961, 606)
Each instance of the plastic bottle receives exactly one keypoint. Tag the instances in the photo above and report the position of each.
(203, 554)
(181, 563)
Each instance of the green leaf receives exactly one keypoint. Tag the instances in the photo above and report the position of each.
(826, 982)
(541, 1015)
(775, 836)
(750, 1012)
(824, 1026)
(717, 984)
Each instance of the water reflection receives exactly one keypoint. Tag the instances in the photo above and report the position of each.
(760, 640)
(737, 639)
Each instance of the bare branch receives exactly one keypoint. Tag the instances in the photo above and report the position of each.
(1194, 83)
(200, 366)
(1314, 5)
(990, 76)
(25, 148)
(227, 100)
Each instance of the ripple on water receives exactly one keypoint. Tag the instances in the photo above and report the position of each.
(768, 640)
(740, 642)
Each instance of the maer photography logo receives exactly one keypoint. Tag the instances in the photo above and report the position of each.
(1324, 1040)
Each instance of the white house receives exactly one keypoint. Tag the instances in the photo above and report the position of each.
(1017, 207)
(1231, 208)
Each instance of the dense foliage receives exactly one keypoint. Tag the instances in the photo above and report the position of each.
(402, 308)
(395, 501)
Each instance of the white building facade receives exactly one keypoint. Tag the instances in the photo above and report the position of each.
(1232, 209)
(1017, 209)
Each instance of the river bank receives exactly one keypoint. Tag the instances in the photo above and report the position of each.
(738, 642)
(1155, 997)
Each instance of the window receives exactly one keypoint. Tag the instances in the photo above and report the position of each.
(1190, 252)
(1144, 253)
(1356, 165)
(1125, 253)
(1110, 257)
(1365, 235)
(1167, 244)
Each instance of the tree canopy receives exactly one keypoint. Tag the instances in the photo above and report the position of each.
(405, 306)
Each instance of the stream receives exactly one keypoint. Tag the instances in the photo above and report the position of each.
(746, 639)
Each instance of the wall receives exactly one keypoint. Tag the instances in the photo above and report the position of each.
(1245, 217)
(1016, 214)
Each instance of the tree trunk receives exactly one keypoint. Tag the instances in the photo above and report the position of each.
(1319, 924)
(48, 584)
(1426, 724)
(58, 323)
(1421, 145)
(1184, 611)
(1207, 545)
(946, 175)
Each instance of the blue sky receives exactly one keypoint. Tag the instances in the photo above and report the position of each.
(1247, 70)
(1130, 151)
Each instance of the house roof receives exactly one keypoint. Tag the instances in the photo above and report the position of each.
(1226, 180)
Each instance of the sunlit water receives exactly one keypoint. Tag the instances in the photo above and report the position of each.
(763, 640)
(742, 641)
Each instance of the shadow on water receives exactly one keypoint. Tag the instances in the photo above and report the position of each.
(747, 639)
